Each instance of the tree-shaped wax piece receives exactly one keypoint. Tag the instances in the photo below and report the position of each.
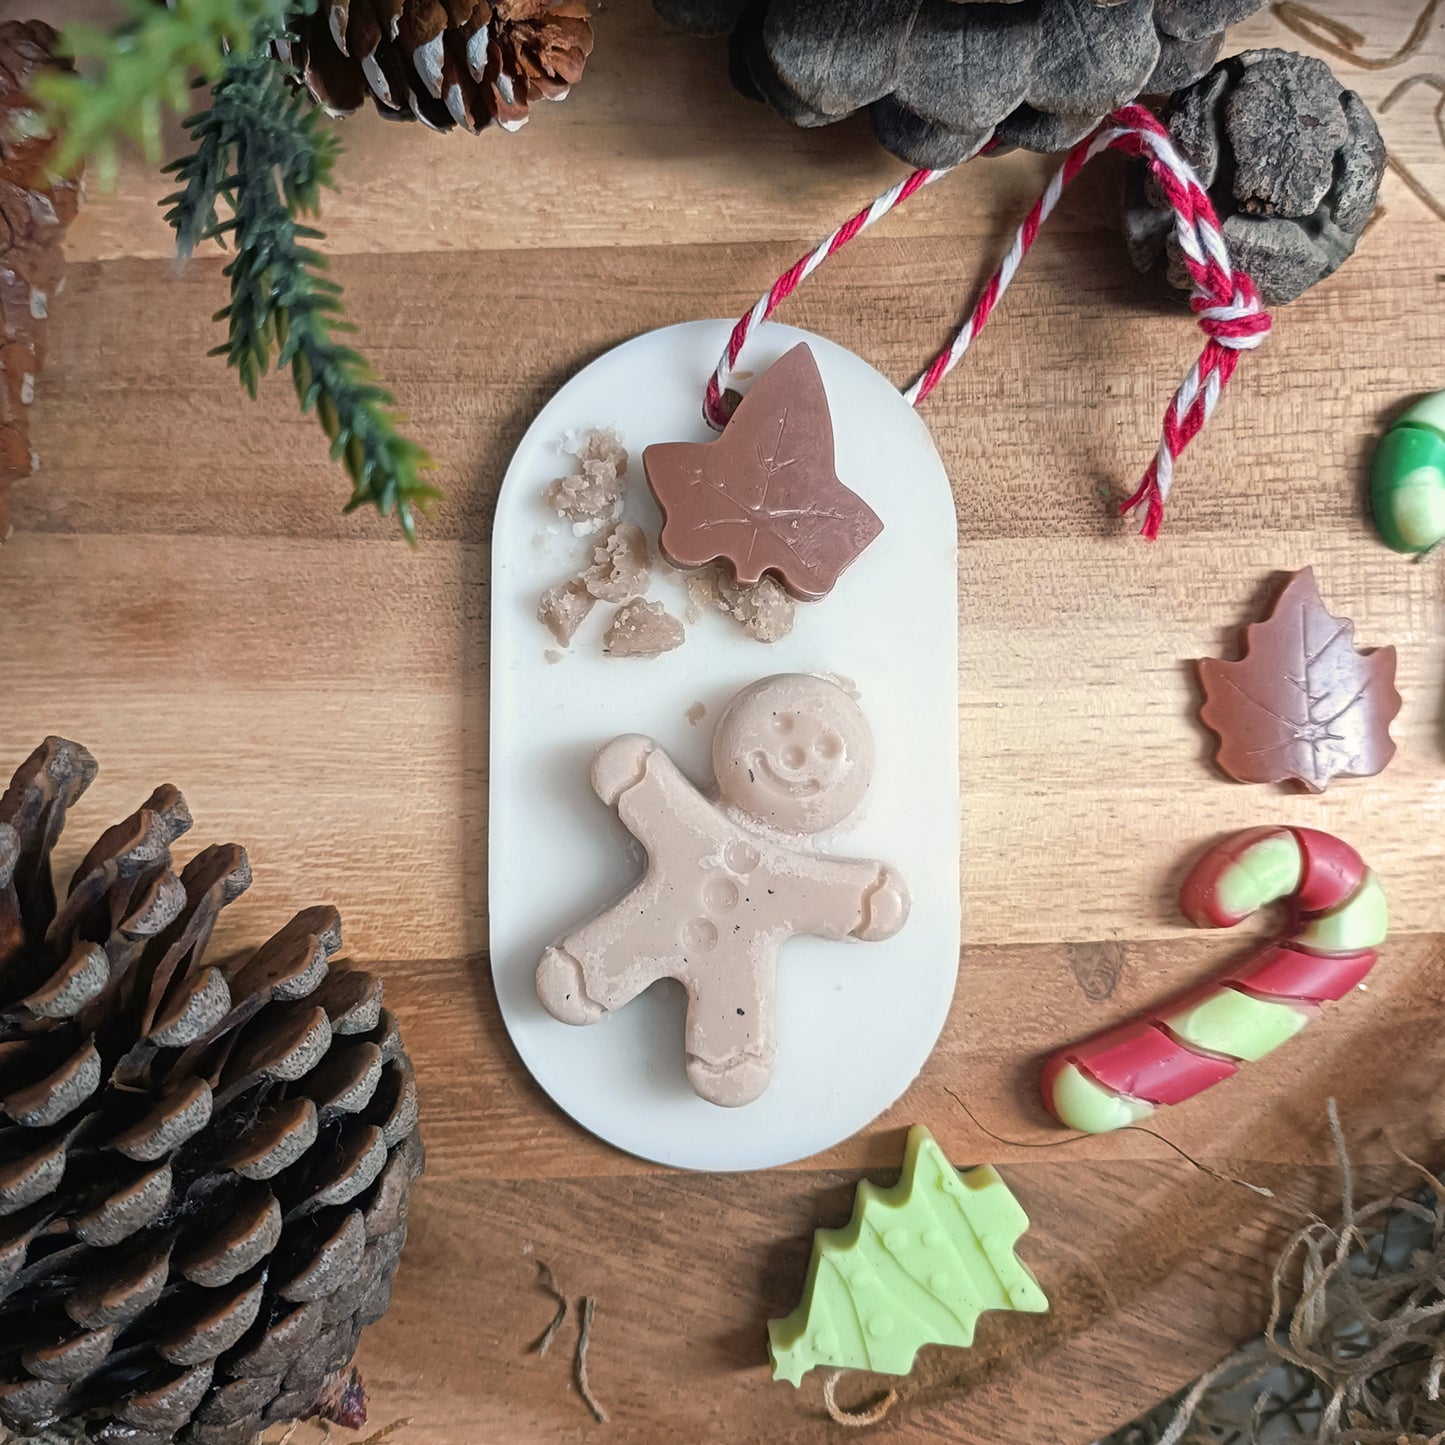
(916, 1265)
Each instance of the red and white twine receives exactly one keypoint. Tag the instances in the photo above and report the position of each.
(1224, 299)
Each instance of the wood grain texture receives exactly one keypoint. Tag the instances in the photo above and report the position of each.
(183, 595)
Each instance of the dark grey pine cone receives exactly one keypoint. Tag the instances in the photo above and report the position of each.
(204, 1167)
(1291, 159)
(471, 63)
(942, 78)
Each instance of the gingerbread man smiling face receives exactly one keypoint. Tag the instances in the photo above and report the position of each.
(728, 880)
(795, 753)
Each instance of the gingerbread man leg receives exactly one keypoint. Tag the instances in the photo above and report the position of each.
(731, 1034)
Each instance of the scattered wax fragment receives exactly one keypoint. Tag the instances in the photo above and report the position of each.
(563, 609)
(701, 592)
(621, 566)
(592, 495)
(916, 1265)
(642, 629)
(765, 610)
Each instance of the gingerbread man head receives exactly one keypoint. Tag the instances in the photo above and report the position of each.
(795, 752)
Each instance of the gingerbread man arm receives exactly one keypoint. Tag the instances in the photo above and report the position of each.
(847, 898)
(605, 962)
(637, 777)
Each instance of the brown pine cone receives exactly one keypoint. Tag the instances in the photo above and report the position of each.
(34, 212)
(204, 1168)
(444, 62)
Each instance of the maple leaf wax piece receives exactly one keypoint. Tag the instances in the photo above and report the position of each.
(916, 1265)
(764, 497)
(1301, 703)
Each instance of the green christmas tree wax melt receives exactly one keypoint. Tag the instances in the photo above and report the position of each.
(916, 1265)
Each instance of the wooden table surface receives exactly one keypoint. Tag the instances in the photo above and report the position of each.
(183, 595)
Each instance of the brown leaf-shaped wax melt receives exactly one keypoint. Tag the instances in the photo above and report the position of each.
(1301, 703)
(764, 497)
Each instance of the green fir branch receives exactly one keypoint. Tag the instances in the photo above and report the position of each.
(142, 68)
(262, 155)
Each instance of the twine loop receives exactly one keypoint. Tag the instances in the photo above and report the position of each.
(1224, 298)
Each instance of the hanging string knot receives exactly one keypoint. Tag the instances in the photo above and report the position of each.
(1241, 325)
(1225, 301)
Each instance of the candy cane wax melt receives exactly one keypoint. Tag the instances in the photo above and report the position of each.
(1201, 1037)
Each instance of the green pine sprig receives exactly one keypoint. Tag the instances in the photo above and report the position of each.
(142, 68)
(262, 155)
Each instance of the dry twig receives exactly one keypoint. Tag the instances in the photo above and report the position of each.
(584, 1388)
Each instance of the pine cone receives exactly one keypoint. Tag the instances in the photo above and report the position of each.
(34, 212)
(444, 62)
(942, 78)
(204, 1168)
(1291, 159)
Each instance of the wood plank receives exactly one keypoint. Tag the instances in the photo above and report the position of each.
(654, 146)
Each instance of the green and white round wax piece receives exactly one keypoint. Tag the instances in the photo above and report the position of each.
(1407, 482)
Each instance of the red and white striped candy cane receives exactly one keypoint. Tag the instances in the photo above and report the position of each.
(1201, 1037)
(1224, 298)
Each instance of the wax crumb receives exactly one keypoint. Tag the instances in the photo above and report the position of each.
(552, 655)
(642, 629)
(701, 592)
(563, 608)
(696, 713)
(591, 496)
(602, 444)
(621, 566)
(766, 611)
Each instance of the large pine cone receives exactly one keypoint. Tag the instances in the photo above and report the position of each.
(942, 78)
(204, 1167)
(443, 62)
(1291, 159)
(34, 212)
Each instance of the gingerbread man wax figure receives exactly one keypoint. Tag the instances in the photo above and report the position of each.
(729, 878)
